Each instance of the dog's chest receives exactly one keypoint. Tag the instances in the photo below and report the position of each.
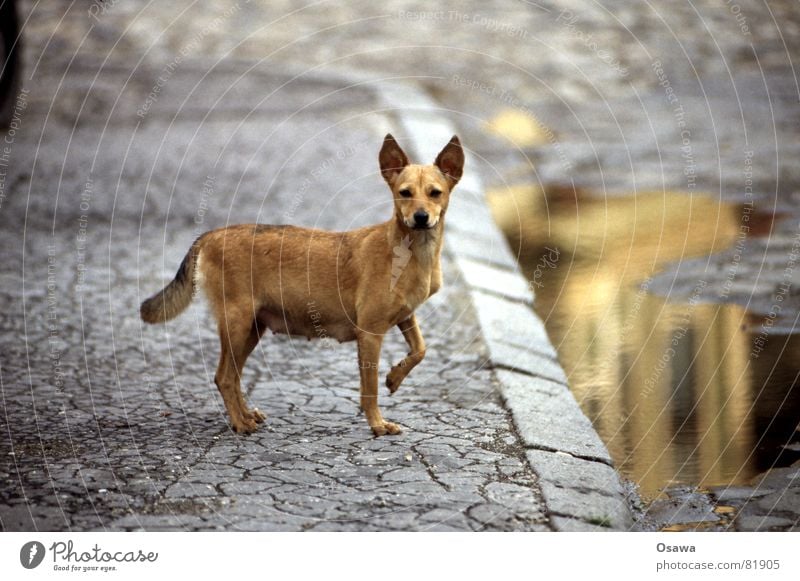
(418, 293)
(410, 292)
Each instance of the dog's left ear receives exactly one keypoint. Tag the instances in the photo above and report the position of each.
(392, 159)
(450, 161)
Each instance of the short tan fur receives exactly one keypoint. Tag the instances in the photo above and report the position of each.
(350, 286)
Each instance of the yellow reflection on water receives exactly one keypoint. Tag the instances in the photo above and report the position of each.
(667, 384)
(519, 126)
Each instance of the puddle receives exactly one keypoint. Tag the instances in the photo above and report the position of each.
(671, 386)
(519, 126)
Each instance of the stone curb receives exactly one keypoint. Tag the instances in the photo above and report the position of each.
(582, 491)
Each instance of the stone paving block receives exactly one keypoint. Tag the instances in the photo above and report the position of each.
(505, 322)
(490, 250)
(246, 487)
(509, 284)
(783, 501)
(683, 509)
(147, 522)
(471, 219)
(737, 494)
(548, 417)
(518, 499)
(574, 525)
(588, 505)
(190, 490)
(763, 523)
(778, 478)
(583, 489)
(24, 518)
(566, 471)
(526, 360)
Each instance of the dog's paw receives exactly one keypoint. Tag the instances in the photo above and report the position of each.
(386, 428)
(245, 426)
(394, 378)
(256, 415)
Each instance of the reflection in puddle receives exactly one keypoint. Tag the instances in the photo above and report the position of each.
(671, 387)
(519, 127)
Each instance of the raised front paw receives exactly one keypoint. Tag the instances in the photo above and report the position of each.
(395, 377)
(384, 427)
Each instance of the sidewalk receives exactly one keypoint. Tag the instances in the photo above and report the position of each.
(114, 426)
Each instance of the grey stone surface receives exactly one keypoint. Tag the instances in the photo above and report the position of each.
(611, 132)
(581, 489)
(763, 523)
(506, 283)
(471, 218)
(492, 250)
(574, 525)
(781, 501)
(682, 510)
(508, 324)
(548, 417)
(527, 360)
(115, 426)
(587, 505)
(778, 478)
(726, 494)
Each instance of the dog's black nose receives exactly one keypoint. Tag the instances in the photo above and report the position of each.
(421, 218)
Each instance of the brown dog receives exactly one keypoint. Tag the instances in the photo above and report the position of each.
(346, 285)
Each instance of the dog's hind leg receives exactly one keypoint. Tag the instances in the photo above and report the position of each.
(252, 342)
(238, 337)
(369, 352)
(416, 345)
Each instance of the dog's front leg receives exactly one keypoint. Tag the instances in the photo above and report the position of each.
(369, 352)
(416, 353)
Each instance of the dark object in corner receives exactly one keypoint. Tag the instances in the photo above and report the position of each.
(10, 62)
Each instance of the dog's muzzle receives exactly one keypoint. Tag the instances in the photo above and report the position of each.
(421, 221)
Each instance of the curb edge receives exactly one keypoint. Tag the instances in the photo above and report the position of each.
(581, 489)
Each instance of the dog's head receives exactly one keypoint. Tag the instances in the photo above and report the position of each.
(421, 192)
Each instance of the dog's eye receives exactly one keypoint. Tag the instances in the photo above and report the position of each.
(405, 193)
(436, 193)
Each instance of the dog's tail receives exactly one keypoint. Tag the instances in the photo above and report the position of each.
(173, 299)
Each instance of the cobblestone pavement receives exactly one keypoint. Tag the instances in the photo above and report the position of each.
(112, 425)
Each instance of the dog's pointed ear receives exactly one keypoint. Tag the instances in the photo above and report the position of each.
(450, 161)
(392, 159)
